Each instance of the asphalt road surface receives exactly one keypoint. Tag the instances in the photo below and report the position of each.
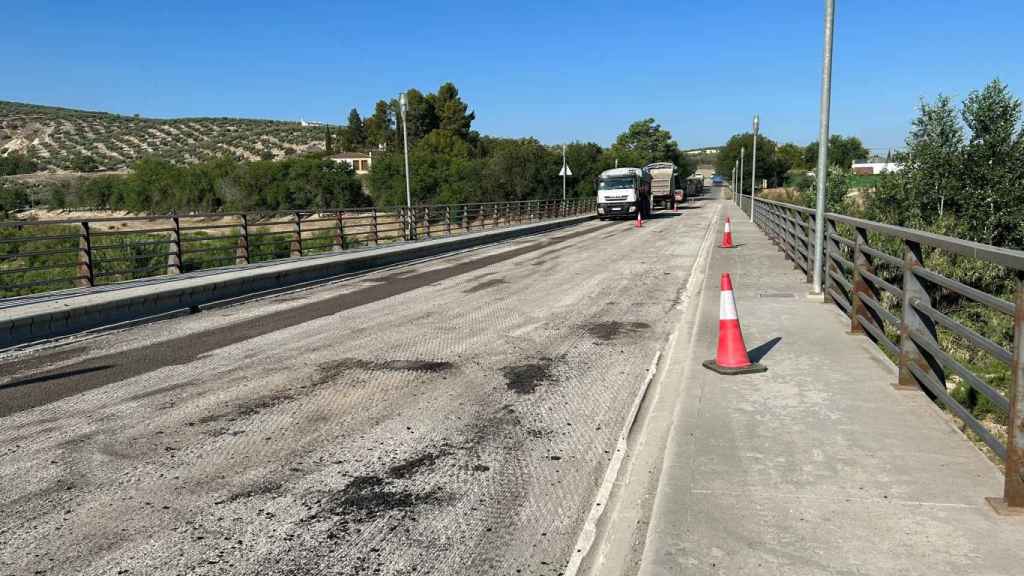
(448, 417)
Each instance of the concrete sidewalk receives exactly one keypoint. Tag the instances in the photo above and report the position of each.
(818, 466)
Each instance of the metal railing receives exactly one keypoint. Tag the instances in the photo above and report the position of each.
(39, 256)
(877, 275)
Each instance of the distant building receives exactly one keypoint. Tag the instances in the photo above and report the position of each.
(869, 168)
(359, 161)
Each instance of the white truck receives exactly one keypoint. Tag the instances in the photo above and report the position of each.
(663, 183)
(621, 192)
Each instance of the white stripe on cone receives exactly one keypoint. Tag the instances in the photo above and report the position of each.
(727, 306)
(728, 226)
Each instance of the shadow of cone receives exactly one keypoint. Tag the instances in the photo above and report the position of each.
(731, 357)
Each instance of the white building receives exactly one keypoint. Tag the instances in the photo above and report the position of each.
(359, 161)
(868, 168)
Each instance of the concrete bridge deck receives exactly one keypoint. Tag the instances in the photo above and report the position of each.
(818, 466)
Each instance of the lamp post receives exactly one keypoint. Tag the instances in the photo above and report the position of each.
(403, 104)
(743, 152)
(822, 175)
(753, 168)
(735, 174)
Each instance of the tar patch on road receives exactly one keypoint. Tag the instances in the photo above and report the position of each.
(607, 331)
(413, 465)
(525, 378)
(485, 285)
(328, 370)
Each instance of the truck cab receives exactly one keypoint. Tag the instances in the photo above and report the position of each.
(621, 192)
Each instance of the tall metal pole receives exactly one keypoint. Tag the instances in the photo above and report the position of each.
(753, 168)
(743, 152)
(403, 104)
(563, 174)
(735, 175)
(826, 101)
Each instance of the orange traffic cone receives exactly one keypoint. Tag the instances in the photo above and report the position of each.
(727, 236)
(639, 219)
(731, 357)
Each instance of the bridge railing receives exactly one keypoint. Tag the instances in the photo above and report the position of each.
(962, 346)
(41, 256)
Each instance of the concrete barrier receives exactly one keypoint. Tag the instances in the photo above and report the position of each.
(97, 308)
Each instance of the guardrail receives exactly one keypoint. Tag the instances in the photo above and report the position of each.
(40, 256)
(877, 275)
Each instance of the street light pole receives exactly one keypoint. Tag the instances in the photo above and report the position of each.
(743, 152)
(735, 175)
(753, 169)
(563, 174)
(822, 175)
(403, 104)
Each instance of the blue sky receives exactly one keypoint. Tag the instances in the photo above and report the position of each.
(580, 70)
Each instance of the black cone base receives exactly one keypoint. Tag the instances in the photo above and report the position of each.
(753, 368)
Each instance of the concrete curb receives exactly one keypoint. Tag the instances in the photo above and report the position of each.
(34, 321)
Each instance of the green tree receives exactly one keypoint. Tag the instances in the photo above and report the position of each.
(421, 118)
(645, 142)
(768, 165)
(380, 128)
(15, 163)
(452, 113)
(842, 152)
(354, 135)
(328, 142)
(790, 157)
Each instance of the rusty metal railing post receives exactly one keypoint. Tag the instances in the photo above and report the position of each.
(807, 239)
(242, 256)
(828, 263)
(448, 220)
(174, 247)
(373, 224)
(914, 322)
(85, 277)
(339, 232)
(862, 262)
(465, 211)
(1013, 491)
(426, 221)
(296, 245)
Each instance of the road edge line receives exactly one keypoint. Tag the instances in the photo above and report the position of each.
(588, 533)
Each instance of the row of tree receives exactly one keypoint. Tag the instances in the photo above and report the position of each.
(452, 163)
(786, 164)
(156, 185)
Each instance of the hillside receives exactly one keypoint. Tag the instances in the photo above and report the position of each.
(61, 139)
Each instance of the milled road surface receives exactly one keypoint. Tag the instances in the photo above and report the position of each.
(449, 417)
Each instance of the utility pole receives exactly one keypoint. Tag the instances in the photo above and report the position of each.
(403, 104)
(753, 169)
(822, 175)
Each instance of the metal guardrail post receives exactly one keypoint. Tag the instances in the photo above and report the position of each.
(85, 277)
(426, 221)
(339, 232)
(916, 323)
(174, 248)
(807, 239)
(828, 264)
(242, 248)
(1013, 491)
(373, 223)
(862, 262)
(465, 211)
(296, 244)
(448, 220)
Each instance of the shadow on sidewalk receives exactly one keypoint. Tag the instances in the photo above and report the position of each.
(756, 354)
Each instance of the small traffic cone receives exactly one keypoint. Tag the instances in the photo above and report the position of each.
(727, 236)
(639, 220)
(731, 357)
